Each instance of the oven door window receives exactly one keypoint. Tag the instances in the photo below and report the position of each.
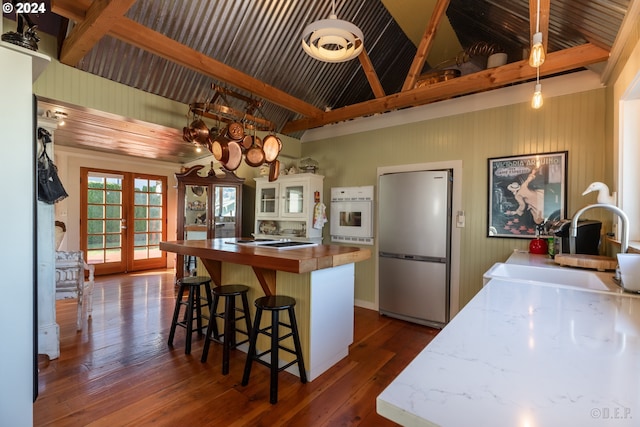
(351, 221)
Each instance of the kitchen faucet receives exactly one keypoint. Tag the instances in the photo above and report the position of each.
(573, 231)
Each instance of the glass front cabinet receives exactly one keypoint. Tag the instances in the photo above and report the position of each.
(285, 207)
(208, 207)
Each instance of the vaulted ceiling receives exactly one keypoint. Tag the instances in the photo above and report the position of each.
(177, 49)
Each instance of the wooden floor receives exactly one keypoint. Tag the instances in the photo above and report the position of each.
(119, 370)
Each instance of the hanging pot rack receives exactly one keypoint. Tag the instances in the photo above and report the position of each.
(212, 109)
(231, 143)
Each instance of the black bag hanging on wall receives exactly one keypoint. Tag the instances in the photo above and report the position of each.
(50, 188)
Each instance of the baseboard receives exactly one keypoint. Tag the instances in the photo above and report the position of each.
(365, 304)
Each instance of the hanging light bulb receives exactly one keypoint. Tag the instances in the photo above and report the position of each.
(536, 101)
(536, 58)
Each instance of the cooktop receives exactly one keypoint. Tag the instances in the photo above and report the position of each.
(273, 243)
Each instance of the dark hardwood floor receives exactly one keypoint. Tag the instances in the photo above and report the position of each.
(119, 371)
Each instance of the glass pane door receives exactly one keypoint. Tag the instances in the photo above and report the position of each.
(105, 221)
(293, 199)
(123, 220)
(196, 209)
(268, 200)
(148, 218)
(225, 203)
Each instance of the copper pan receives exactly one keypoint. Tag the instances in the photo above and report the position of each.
(274, 170)
(219, 147)
(254, 156)
(271, 148)
(247, 142)
(235, 156)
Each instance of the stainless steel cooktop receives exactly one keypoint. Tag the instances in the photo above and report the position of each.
(274, 243)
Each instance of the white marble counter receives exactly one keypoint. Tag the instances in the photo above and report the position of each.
(526, 355)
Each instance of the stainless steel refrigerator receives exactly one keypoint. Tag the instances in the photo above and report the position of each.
(414, 218)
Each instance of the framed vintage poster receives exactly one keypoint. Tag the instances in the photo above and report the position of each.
(525, 192)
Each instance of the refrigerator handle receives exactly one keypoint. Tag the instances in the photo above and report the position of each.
(412, 257)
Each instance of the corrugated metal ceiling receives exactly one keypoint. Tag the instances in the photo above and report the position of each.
(262, 40)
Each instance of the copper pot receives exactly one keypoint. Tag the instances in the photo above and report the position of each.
(235, 131)
(437, 76)
(201, 131)
(188, 134)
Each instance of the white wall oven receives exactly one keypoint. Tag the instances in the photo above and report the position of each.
(351, 215)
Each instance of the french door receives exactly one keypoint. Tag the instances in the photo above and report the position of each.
(123, 220)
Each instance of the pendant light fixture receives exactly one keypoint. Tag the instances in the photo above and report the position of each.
(536, 101)
(332, 40)
(537, 56)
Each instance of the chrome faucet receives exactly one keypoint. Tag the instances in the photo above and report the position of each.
(573, 231)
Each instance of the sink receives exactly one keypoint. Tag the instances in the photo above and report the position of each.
(559, 276)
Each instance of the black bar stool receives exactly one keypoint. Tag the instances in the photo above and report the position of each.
(188, 260)
(195, 301)
(275, 304)
(228, 337)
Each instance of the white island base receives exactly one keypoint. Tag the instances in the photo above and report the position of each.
(324, 311)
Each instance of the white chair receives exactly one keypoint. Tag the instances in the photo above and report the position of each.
(70, 280)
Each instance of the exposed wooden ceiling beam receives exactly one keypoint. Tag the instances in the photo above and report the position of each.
(147, 39)
(133, 33)
(425, 45)
(556, 62)
(370, 73)
(73, 10)
(625, 35)
(98, 20)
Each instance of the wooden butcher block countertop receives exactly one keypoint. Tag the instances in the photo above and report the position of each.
(298, 260)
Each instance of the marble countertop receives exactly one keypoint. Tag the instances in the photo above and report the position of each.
(526, 355)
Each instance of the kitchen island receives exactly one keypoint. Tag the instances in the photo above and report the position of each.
(526, 354)
(320, 278)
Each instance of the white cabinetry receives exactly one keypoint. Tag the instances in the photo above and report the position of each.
(285, 208)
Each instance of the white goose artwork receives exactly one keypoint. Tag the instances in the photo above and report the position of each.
(603, 193)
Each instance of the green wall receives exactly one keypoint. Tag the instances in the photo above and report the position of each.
(575, 123)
